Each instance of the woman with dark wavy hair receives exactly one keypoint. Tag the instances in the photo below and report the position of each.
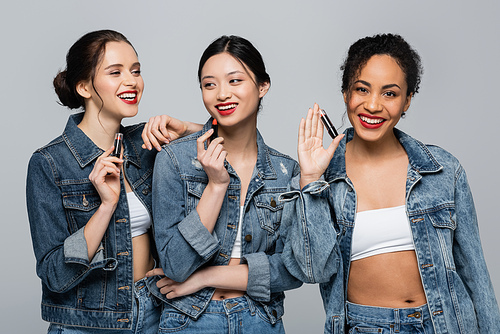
(385, 223)
(90, 211)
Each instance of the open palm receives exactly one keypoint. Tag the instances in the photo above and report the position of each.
(313, 157)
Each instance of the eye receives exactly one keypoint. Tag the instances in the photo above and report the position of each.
(208, 85)
(114, 73)
(361, 89)
(390, 94)
(235, 81)
(136, 72)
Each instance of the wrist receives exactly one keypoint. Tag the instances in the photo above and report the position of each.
(190, 127)
(217, 188)
(108, 207)
(305, 180)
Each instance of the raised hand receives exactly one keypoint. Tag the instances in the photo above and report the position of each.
(313, 157)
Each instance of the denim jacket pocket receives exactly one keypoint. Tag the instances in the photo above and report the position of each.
(80, 205)
(194, 191)
(269, 210)
(444, 223)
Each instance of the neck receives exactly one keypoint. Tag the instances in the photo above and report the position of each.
(377, 150)
(101, 130)
(240, 142)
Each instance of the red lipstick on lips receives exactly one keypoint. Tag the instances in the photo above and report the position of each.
(369, 125)
(134, 101)
(226, 111)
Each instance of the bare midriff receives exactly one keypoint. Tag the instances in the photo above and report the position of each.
(386, 280)
(221, 294)
(143, 260)
(141, 249)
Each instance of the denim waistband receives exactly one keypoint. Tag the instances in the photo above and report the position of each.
(142, 286)
(386, 315)
(230, 305)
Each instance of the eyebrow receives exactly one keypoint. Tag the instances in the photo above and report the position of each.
(383, 87)
(212, 77)
(121, 65)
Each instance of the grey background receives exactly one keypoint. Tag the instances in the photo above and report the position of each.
(303, 43)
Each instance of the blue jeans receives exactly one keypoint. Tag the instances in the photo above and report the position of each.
(231, 316)
(146, 316)
(372, 319)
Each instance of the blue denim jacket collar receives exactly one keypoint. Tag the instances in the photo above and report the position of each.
(83, 148)
(263, 165)
(419, 156)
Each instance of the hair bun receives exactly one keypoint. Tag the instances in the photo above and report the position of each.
(67, 95)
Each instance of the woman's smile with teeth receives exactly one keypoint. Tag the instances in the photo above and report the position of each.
(227, 106)
(371, 120)
(127, 96)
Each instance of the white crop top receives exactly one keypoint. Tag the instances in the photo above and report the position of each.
(381, 231)
(236, 252)
(140, 221)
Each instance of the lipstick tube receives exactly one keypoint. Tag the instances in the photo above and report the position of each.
(328, 124)
(117, 144)
(215, 134)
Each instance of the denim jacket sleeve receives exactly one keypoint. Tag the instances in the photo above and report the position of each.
(469, 258)
(62, 256)
(267, 273)
(183, 242)
(311, 251)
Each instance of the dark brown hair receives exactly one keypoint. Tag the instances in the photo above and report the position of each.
(82, 60)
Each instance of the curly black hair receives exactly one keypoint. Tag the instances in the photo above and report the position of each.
(382, 44)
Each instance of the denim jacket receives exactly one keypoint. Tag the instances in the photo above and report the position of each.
(441, 213)
(183, 242)
(60, 200)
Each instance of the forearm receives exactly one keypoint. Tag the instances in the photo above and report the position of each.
(226, 277)
(96, 227)
(210, 203)
(192, 127)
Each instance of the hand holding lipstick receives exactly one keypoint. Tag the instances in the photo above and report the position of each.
(105, 176)
(313, 157)
(212, 159)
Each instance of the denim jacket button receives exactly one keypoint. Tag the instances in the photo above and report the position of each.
(273, 202)
(248, 238)
(145, 191)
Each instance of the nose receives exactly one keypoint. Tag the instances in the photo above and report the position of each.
(372, 103)
(130, 80)
(224, 93)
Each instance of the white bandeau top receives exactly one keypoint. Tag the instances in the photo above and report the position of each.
(381, 231)
(236, 252)
(140, 221)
